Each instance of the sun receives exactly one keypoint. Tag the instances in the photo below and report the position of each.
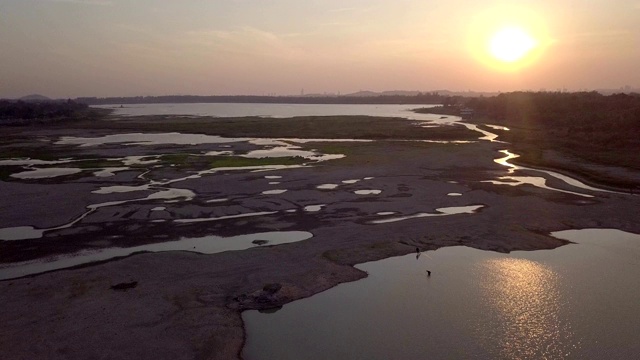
(511, 44)
(510, 38)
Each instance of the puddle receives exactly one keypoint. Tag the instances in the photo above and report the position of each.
(218, 153)
(108, 172)
(45, 173)
(314, 208)
(147, 139)
(274, 182)
(350, 181)
(304, 141)
(367, 192)
(386, 213)
(273, 177)
(21, 233)
(454, 194)
(160, 208)
(216, 201)
(140, 160)
(326, 157)
(274, 192)
(203, 245)
(281, 151)
(498, 127)
(197, 220)
(440, 212)
(28, 162)
(327, 186)
(170, 194)
(121, 189)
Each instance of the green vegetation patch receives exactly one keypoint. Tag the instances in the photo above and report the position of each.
(306, 127)
(239, 161)
(185, 160)
(37, 153)
(96, 163)
(6, 171)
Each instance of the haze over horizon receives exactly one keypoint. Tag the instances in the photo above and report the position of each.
(74, 48)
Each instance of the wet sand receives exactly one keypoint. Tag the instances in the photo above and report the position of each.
(186, 305)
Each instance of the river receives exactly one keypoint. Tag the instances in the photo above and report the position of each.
(579, 301)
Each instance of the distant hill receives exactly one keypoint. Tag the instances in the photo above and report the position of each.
(419, 98)
(35, 98)
(365, 93)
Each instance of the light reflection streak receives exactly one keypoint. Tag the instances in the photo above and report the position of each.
(525, 302)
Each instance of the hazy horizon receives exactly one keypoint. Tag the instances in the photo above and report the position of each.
(74, 48)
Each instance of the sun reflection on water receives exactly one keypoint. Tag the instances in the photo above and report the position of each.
(524, 306)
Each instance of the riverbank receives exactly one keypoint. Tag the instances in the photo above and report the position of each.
(186, 305)
(593, 168)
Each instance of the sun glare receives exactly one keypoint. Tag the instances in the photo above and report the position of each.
(511, 44)
(508, 38)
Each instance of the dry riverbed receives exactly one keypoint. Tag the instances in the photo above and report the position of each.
(369, 200)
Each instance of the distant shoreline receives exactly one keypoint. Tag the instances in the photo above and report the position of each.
(420, 99)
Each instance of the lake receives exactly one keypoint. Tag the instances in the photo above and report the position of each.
(579, 301)
(275, 110)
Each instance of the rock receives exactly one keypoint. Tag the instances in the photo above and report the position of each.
(260, 242)
(124, 286)
(270, 310)
(272, 288)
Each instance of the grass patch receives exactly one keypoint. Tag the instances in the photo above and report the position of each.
(185, 160)
(96, 163)
(30, 152)
(331, 255)
(238, 161)
(178, 159)
(335, 148)
(6, 171)
(329, 127)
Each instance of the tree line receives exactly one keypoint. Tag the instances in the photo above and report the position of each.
(591, 111)
(421, 98)
(16, 111)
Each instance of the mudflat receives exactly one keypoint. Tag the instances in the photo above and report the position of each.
(408, 187)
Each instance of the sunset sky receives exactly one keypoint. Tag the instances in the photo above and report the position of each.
(71, 48)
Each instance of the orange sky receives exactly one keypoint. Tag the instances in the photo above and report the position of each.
(70, 48)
